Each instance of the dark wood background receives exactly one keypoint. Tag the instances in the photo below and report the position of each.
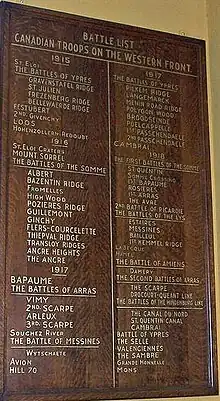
(189, 348)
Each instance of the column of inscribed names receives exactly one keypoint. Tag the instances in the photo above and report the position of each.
(59, 243)
(160, 274)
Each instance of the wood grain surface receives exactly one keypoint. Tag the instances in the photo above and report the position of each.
(107, 286)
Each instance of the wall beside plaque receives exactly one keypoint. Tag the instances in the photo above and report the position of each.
(106, 240)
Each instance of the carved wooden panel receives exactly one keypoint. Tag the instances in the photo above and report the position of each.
(107, 284)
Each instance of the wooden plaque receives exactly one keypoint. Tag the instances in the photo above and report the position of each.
(107, 284)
